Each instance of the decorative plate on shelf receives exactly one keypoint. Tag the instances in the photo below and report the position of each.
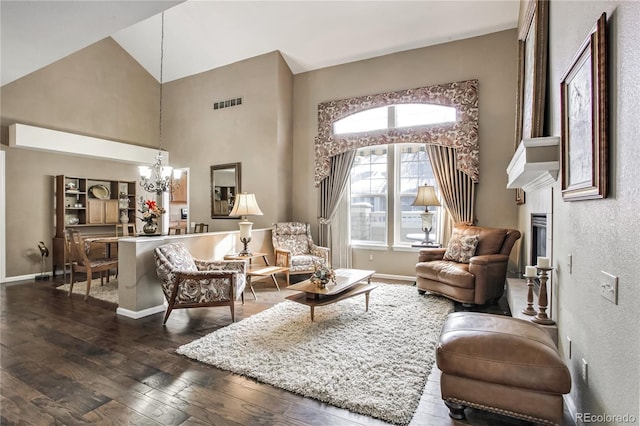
(100, 191)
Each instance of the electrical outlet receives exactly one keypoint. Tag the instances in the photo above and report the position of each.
(585, 371)
(569, 347)
(609, 287)
(370, 257)
(570, 263)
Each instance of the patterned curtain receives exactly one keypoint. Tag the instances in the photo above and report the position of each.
(461, 134)
(341, 246)
(331, 191)
(457, 188)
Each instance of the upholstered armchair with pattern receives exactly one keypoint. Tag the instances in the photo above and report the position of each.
(295, 249)
(189, 283)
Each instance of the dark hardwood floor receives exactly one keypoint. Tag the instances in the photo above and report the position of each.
(66, 361)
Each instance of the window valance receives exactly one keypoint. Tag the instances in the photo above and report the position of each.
(461, 135)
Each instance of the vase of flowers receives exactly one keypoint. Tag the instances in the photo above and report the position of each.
(322, 275)
(150, 214)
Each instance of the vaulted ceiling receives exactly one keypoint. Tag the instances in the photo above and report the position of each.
(200, 35)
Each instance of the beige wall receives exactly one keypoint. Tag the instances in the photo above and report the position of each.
(601, 235)
(99, 91)
(271, 135)
(256, 134)
(491, 59)
(284, 149)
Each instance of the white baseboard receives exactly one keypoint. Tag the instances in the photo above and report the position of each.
(395, 277)
(140, 314)
(31, 277)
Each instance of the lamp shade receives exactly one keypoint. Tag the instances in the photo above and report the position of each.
(245, 204)
(426, 197)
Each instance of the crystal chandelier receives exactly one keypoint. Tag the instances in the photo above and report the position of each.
(157, 178)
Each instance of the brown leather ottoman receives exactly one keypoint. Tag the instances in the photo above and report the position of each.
(501, 364)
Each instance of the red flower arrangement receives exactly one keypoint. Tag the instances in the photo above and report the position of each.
(150, 211)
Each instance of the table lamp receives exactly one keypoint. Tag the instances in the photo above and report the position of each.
(245, 204)
(426, 197)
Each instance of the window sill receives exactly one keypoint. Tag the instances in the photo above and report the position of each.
(405, 248)
(379, 247)
(370, 247)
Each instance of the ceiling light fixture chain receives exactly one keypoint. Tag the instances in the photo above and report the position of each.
(161, 66)
(161, 181)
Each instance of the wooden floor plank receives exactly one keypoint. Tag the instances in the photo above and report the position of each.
(116, 414)
(16, 410)
(67, 361)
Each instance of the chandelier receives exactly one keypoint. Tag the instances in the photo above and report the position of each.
(157, 178)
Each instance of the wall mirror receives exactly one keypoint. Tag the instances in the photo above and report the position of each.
(225, 184)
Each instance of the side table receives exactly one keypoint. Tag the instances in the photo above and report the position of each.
(265, 270)
(420, 245)
(420, 241)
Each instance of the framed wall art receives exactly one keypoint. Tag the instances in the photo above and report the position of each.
(584, 111)
(532, 65)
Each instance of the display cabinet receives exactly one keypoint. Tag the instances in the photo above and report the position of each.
(91, 206)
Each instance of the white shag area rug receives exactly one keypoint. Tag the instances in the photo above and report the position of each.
(107, 292)
(374, 363)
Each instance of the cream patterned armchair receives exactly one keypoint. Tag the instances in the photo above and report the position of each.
(188, 282)
(295, 249)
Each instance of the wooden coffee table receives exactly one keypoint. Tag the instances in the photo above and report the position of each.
(348, 284)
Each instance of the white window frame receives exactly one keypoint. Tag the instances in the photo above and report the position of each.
(385, 241)
(398, 240)
(393, 205)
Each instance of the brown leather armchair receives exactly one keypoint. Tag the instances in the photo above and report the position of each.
(477, 282)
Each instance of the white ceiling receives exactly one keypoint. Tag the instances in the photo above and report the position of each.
(200, 35)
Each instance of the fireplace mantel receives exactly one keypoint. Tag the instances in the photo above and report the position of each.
(535, 164)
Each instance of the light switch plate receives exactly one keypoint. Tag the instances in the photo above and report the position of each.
(585, 371)
(609, 287)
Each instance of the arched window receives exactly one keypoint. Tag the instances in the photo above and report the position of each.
(384, 179)
(393, 117)
(449, 134)
(460, 134)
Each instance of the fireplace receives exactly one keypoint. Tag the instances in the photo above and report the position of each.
(538, 241)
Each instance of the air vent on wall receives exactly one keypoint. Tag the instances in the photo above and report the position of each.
(228, 103)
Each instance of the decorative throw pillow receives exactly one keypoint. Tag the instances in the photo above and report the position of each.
(461, 248)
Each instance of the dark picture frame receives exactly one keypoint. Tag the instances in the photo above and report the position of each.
(584, 112)
(532, 76)
(226, 182)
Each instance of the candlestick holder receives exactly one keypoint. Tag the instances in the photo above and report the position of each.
(529, 310)
(541, 317)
